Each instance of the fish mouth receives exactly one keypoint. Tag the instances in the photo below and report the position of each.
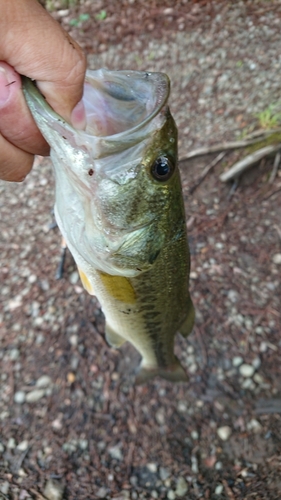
(122, 108)
(122, 101)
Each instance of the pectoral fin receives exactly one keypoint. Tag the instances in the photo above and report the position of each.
(186, 328)
(85, 282)
(113, 338)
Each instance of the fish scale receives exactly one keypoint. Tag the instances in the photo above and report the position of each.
(119, 206)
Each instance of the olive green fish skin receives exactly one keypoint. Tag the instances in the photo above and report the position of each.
(124, 226)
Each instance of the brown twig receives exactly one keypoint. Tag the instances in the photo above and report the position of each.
(206, 170)
(272, 193)
(37, 494)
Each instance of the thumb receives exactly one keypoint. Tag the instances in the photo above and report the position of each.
(36, 46)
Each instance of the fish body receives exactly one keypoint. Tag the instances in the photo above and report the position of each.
(119, 206)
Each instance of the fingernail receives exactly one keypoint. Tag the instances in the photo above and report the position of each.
(4, 87)
(78, 116)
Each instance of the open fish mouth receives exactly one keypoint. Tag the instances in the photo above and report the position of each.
(122, 109)
(123, 101)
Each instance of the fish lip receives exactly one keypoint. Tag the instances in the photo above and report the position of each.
(34, 99)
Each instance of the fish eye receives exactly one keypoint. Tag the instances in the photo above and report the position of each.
(162, 169)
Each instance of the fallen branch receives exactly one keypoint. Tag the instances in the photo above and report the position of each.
(242, 165)
(275, 167)
(251, 139)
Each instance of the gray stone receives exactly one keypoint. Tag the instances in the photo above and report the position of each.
(14, 354)
(19, 397)
(115, 453)
(224, 432)
(43, 381)
(102, 492)
(171, 495)
(237, 360)
(164, 473)
(53, 490)
(83, 444)
(35, 395)
(181, 487)
(277, 258)
(4, 488)
(247, 370)
(23, 445)
(11, 443)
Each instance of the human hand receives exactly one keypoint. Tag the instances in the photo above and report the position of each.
(33, 44)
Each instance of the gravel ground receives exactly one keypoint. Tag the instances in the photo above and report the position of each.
(72, 425)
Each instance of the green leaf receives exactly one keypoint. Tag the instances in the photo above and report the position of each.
(84, 17)
(74, 22)
(101, 15)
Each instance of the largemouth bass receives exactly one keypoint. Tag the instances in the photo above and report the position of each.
(119, 206)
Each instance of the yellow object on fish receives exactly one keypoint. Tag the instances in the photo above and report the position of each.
(119, 206)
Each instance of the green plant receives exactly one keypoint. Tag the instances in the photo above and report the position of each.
(77, 21)
(101, 16)
(270, 117)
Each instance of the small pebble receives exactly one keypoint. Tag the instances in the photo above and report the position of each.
(53, 490)
(219, 489)
(256, 363)
(43, 381)
(35, 395)
(83, 444)
(181, 487)
(73, 339)
(171, 495)
(224, 432)
(40, 339)
(194, 434)
(164, 473)
(74, 277)
(115, 453)
(263, 346)
(160, 416)
(19, 397)
(182, 407)
(23, 445)
(218, 465)
(277, 258)
(247, 370)
(192, 368)
(258, 378)
(152, 467)
(4, 488)
(254, 425)
(11, 443)
(248, 384)
(14, 354)
(102, 492)
(237, 361)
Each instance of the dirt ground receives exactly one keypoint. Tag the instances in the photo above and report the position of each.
(72, 424)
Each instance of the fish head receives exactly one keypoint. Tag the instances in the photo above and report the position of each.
(117, 182)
